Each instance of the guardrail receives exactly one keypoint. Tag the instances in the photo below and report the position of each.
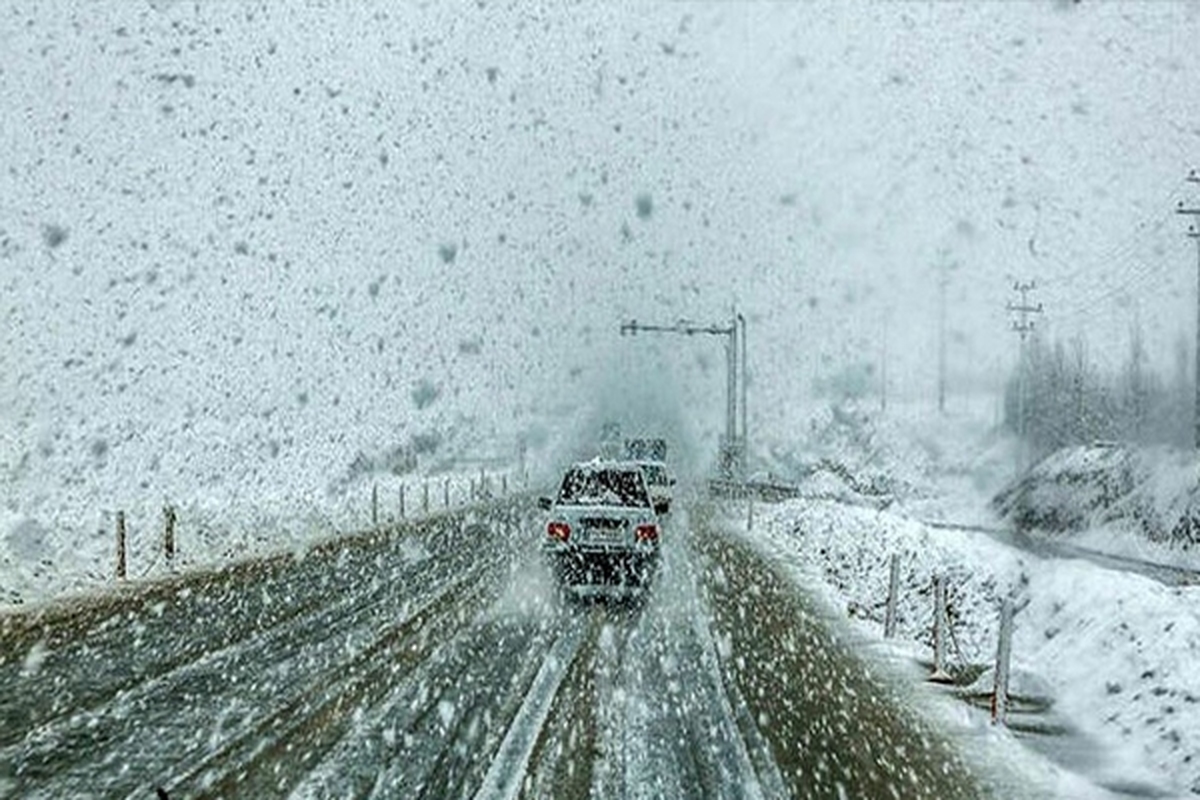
(775, 492)
(766, 491)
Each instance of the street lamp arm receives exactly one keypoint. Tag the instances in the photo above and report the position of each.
(633, 327)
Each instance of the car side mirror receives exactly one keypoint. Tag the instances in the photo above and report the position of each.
(544, 503)
(662, 506)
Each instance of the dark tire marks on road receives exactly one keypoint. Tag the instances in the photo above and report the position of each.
(834, 730)
(457, 674)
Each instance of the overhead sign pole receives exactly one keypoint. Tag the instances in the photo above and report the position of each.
(733, 447)
(1194, 233)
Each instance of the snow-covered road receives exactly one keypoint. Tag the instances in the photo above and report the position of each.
(441, 663)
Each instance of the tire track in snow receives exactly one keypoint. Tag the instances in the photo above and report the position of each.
(157, 728)
(707, 714)
(90, 650)
(506, 776)
(268, 756)
(669, 725)
(441, 724)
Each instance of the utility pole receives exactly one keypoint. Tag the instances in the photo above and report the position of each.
(945, 279)
(883, 363)
(1024, 326)
(1194, 233)
(732, 456)
(731, 386)
(745, 433)
(943, 283)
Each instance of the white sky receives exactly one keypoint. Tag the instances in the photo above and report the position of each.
(264, 197)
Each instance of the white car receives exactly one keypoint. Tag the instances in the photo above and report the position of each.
(659, 481)
(603, 533)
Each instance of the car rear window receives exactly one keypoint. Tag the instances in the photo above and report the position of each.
(603, 487)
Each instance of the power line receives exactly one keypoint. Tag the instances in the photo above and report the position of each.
(1098, 281)
(1085, 273)
(1102, 287)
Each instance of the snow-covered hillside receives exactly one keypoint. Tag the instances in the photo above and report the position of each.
(1121, 496)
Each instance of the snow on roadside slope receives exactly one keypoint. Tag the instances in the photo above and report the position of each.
(1115, 648)
(212, 529)
(1138, 502)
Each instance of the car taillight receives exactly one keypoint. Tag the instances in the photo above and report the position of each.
(646, 533)
(560, 531)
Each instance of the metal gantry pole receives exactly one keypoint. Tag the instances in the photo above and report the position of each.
(731, 449)
(731, 364)
(745, 431)
(1194, 233)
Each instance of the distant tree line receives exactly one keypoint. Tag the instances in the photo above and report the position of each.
(1071, 401)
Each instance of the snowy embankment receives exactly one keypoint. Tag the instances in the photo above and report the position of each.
(1115, 652)
(1135, 502)
(42, 559)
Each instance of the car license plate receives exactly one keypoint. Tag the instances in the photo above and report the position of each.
(606, 534)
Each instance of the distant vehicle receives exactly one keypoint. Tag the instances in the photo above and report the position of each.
(648, 449)
(610, 440)
(651, 455)
(603, 531)
(660, 482)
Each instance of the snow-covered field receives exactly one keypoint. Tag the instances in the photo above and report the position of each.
(1114, 651)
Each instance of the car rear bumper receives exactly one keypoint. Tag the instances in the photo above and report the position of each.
(579, 566)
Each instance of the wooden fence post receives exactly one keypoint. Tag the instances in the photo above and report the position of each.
(1003, 656)
(749, 512)
(169, 533)
(504, 484)
(374, 505)
(445, 492)
(889, 621)
(401, 500)
(939, 631)
(425, 497)
(120, 545)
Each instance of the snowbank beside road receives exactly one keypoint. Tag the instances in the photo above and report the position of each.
(1114, 648)
(42, 560)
